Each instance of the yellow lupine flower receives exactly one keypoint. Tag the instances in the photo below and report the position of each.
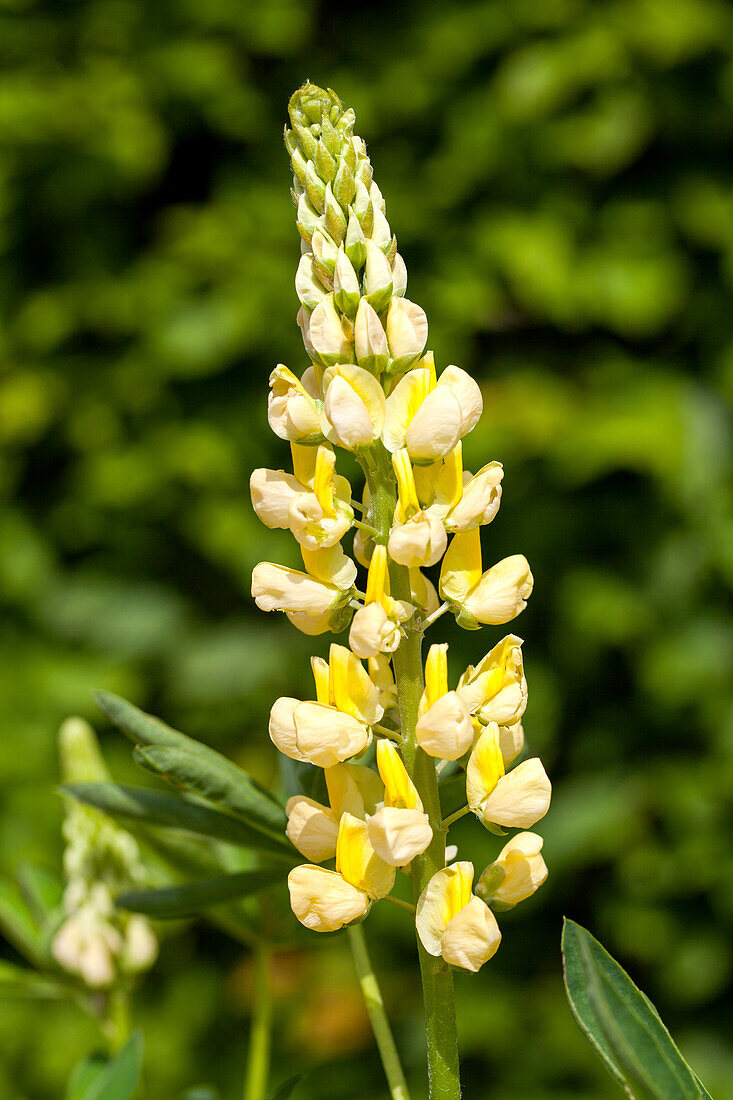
(314, 507)
(323, 900)
(495, 689)
(313, 827)
(516, 874)
(516, 800)
(453, 922)
(491, 597)
(444, 728)
(400, 829)
(293, 409)
(428, 417)
(375, 627)
(358, 863)
(354, 404)
(312, 599)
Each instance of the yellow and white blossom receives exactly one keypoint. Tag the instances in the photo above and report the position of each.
(376, 627)
(314, 506)
(370, 339)
(323, 900)
(517, 799)
(399, 830)
(329, 336)
(407, 332)
(417, 537)
(312, 828)
(429, 417)
(516, 874)
(493, 597)
(311, 596)
(467, 501)
(511, 742)
(357, 861)
(293, 409)
(444, 728)
(495, 690)
(453, 922)
(354, 405)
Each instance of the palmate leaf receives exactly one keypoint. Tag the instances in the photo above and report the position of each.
(621, 1023)
(192, 898)
(138, 804)
(98, 1079)
(189, 764)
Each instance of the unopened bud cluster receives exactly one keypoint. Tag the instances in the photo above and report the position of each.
(371, 389)
(97, 942)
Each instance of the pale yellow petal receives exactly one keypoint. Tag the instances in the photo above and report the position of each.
(472, 937)
(399, 790)
(445, 730)
(461, 568)
(357, 861)
(520, 798)
(402, 404)
(322, 900)
(448, 891)
(398, 835)
(485, 768)
(312, 828)
(325, 736)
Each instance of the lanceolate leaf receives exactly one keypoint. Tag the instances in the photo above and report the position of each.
(195, 897)
(229, 784)
(216, 779)
(287, 1088)
(133, 804)
(118, 1079)
(17, 921)
(621, 1023)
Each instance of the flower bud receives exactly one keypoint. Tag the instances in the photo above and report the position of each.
(355, 242)
(330, 343)
(308, 287)
(370, 340)
(334, 217)
(399, 276)
(346, 290)
(407, 333)
(315, 188)
(479, 501)
(377, 277)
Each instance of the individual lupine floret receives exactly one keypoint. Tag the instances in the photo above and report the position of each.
(338, 724)
(515, 875)
(312, 503)
(294, 408)
(453, 922)
(444, 728)
(314, 601)
(515, 800)
(492, 597)
(376, 627)
(495, 690)
(354, 405)
(313, 828)
(400, 829)
(429, 417)
(464, 500)
(417, 538)
(325, 901)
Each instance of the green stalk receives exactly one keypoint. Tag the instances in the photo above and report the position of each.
(258, 1054)
(437, 977)
(377, 1015)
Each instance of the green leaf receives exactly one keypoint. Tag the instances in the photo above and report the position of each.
(137, 804)
(287, 1088)
(117, 1079)
(17, 921)
(42, 890)
(201, 1092)
(215, 777)
(18, 981)
(194, 897)
(621, 1023)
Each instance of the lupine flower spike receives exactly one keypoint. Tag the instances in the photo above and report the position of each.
(385, 730)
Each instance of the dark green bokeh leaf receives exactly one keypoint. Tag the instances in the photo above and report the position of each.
(218, 781)
(17, 922)
(18, 981)
(117, 1079)
(194, 897)
(131, 804)
(621, 1024)
(287, 1088)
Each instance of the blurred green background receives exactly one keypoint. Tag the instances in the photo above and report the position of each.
(559, 178)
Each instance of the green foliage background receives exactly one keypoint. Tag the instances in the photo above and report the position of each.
(559, 178)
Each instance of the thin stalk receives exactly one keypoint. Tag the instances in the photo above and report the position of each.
(437, 977)
(456, 816)
(402, 904)
(435, 616)
(377, 1015)
(258, 1053)
(116, 1023)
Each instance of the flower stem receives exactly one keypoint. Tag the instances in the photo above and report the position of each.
(456, 816)
(402, 904)
(377, 1015)
(437, 977)
(258, 1053)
